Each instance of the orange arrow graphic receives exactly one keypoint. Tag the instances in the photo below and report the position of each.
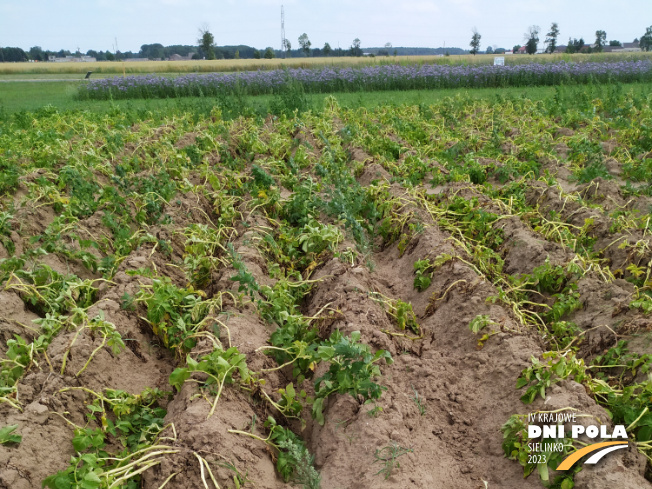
(569, 461)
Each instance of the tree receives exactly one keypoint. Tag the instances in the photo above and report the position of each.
(37, 54)
(532, 39)
(574, 45)
(615, 44)
(269, 53)
(206, 42)
(305, 43)
(646, 40)
(570, 48)
(152, 51)
(13, 54)
(551, 38)
(287, 46)
(356, 50)
(490, 50)
(385, 51)
(256, 54)
(600, 40)
(98, 55)
(516, 48)
(475, 42)
(326, 49)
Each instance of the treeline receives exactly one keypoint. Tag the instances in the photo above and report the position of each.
(324, 52)
(13, 54)
(36, 53)
(398, 51)
(157, 51)
(150, 51)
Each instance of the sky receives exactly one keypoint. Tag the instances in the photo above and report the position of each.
(101, 24)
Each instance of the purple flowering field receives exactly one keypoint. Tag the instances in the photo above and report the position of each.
(386, 77)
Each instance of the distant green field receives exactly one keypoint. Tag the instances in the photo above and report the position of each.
(50, 76)
(30, 96)
(16, 96)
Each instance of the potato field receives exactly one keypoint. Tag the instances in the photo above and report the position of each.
(335, 298)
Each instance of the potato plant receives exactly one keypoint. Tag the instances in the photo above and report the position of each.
(140, 234)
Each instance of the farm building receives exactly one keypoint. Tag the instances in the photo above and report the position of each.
(178, 57)
(73, 59)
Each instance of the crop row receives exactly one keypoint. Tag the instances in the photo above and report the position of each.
(188, 221)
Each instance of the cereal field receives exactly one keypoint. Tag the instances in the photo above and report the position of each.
(337, 298)
(230, 65)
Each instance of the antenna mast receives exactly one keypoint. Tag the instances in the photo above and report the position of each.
(283, 31)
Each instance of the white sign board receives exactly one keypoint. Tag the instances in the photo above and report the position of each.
(499, 61)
